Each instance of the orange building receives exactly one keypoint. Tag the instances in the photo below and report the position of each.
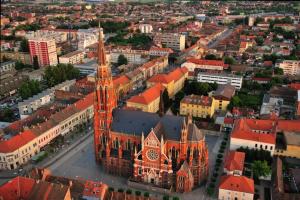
(173, 81)
(147, 101)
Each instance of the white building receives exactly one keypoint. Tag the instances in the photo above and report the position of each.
(7, 66)
(289, 67)
(74, 57)
(236, 188)
(174, 41)
(254, 134)
(132, 56)
(194, 63)
(19, 149)
(59, 37)
(87, 37)
(145, 28)
(221, 79)
(30, 105)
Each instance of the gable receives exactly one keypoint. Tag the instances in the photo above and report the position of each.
(151, 140)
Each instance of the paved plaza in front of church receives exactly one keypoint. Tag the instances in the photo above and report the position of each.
(80, 163)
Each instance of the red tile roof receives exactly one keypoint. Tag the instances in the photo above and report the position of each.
(237, 183)
(208, 62)
(148, 95)
(121, 80)
(16, 141)
(235, 161)
(86, 102)
(172, 76)
(228, 120)
(295, 86)
(288, 125)
(168, 50)
(17, 188)
(244, 129)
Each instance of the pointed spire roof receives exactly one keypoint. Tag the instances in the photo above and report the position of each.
(101, 50)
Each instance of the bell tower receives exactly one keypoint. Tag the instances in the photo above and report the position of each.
(104, 103)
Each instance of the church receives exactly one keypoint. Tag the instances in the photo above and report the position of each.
(161, 150)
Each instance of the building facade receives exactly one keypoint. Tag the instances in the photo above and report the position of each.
(289, 67)
(44, 50)
(174, 41)
(197, 106)
(146, 147)
(147, 101)
(74, 57)
(220, 79)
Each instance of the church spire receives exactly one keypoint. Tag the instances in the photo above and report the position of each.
(101, 50)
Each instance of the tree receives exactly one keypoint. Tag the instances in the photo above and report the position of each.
(229, 60)
(122, 60)
(7, 115)
(57, 74)
(166, 99)
(35, 62)
(260, 168)
(24, 46)
(211, 57)
(29, 88)
(278, 71)
(146, 194)
(259, 40)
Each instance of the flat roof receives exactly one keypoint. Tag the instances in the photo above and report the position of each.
(292, 138)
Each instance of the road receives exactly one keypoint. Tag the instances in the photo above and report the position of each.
(224, 35)
(79, 163)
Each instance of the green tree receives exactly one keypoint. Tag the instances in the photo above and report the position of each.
(278, 71)
(7, 115)
(29, 88)
(146, 194)
(57, 74)
(259, 40)
(35, 62)
(229, 60)
(166, 99)
(260, 168)
(24, 46)
(211, 57)
(122, 60)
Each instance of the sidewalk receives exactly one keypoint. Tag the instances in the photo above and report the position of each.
(47, 162)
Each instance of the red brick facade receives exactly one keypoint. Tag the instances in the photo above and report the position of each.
(164, 151)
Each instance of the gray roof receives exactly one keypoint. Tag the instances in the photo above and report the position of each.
(135, 122)
(194, 134)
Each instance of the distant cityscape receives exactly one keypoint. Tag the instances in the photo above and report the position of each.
(150, 100)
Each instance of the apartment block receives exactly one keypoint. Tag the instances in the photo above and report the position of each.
(174, 41)
(289, 67)
(220, 79)
(74, 57)
(45, 51)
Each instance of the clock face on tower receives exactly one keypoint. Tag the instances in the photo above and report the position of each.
(152, 155)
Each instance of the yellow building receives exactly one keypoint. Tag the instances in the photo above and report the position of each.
(173, 81)
(197, 106)
(292, 140)
(222, 96)
(147, 101)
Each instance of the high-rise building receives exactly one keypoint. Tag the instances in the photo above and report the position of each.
(289, 67)
(44, 49)
(174, 41)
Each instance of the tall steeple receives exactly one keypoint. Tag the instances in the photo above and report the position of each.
(101, 50)
(104, 103)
